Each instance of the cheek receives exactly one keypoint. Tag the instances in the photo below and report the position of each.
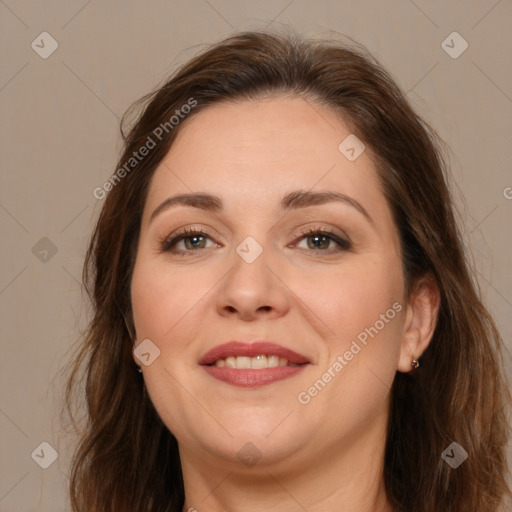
(165, 308)
(162, 298)
(354, 297)
(363, 306)
(368, 320)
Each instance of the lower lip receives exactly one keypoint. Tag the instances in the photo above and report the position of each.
(249, 378)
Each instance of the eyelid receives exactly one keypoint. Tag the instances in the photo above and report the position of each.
(328, 229)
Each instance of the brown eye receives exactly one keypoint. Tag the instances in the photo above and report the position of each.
(193, 241)
(318, 241)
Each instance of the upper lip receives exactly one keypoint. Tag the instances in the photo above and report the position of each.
(237, 348)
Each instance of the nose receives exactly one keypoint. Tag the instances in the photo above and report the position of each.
(252, 290)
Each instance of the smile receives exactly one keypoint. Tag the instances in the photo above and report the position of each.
(252, 365)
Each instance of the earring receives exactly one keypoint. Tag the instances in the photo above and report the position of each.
(139, 369)
(415, 363)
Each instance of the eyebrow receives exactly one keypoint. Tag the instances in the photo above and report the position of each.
(291, 201)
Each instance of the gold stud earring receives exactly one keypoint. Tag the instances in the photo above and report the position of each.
(415, 363)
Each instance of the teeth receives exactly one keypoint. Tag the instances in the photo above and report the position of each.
(273, 361)
(243, 362)
(258, 362)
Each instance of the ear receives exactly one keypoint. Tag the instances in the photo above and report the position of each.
(420, 321)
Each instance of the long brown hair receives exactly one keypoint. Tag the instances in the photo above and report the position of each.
(127, 459)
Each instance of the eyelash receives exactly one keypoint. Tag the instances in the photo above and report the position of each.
(167, 243)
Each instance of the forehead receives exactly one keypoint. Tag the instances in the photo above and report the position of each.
(251, 153)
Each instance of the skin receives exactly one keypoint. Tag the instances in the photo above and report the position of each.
(323, 455)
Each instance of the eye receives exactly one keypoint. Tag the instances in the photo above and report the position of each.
(193, 241)
(322, 240)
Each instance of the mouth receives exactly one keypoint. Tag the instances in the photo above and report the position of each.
(252, 365)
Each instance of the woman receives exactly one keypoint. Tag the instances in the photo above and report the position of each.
(278, 254)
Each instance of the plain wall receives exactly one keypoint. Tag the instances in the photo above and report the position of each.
(60, 140)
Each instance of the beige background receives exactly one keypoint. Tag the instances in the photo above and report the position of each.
(59, 140)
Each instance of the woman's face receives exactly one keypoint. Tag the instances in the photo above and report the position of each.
(298, 249)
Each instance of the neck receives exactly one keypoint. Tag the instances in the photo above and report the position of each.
(344, 477)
